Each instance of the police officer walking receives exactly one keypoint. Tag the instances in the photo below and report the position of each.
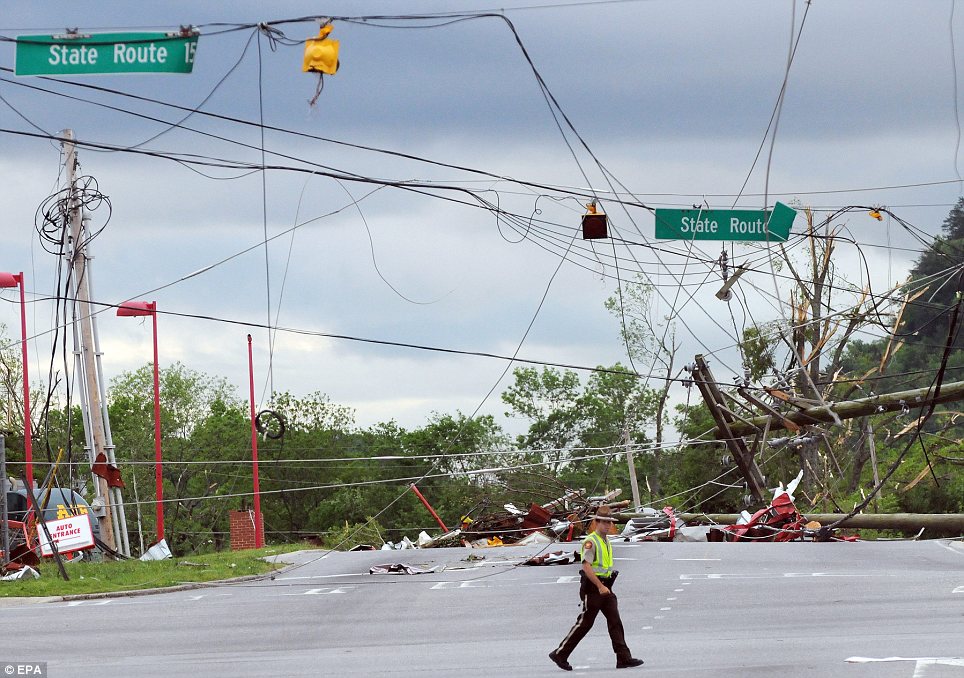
(595, 590)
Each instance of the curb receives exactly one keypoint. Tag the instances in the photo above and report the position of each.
(30, 600)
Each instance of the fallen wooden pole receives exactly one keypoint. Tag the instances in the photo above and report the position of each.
(848, 409)
(946, 524)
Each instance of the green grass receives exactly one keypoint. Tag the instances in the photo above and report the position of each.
(130, 575)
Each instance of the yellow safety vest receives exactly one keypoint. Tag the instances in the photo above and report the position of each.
(602, 559)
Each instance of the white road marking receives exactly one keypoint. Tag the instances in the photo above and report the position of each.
(647, 628)
(75, 603)
(659, 616)
(697, 559)
(677, 590)
(560, 580)
(625, 558)
(951, 545)
(665, 609)
(326, 591)
(324, 576)
(448, 585)
(749, 575)
(920, 663)
(959, 589)
(673, 598)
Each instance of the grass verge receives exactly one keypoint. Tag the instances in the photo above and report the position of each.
(131, 575)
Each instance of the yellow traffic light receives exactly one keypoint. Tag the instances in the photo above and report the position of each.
(321, 53)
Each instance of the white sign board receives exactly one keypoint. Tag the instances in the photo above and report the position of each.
(70, 534)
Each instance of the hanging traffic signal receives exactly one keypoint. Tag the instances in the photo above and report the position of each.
(594, 224)
(321, 53)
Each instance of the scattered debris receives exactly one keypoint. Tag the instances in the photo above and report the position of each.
(158, 551)
(555, 558)
(566, 519)
(535, 538)
(653, 526)
(21, 572)
(401, 568)
(780, 521)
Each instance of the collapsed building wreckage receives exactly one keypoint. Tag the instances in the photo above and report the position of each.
(567, 518)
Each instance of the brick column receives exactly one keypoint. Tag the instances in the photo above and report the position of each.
(242, 530)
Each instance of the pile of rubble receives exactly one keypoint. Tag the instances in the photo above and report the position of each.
(567, 519)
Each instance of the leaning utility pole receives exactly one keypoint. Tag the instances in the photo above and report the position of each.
(633, 483)
(112, 520)
(726, 421)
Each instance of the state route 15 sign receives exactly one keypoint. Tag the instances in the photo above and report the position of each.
(70, 534)
(74, 54)
(697, 224)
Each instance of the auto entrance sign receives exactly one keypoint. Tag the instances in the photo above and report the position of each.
(75, 54)
(697, 224)
(70, 534)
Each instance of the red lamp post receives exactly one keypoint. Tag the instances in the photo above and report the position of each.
(16, 280)
(136, 309)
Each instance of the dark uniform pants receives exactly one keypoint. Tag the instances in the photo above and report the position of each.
(592, 604)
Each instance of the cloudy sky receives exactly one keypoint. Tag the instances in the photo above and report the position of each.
(672, 98)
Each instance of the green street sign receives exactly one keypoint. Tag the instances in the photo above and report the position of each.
(105, 53)
(699, 224)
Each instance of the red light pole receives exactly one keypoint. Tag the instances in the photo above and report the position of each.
(258, 534)
(133, 309)
(16, 280)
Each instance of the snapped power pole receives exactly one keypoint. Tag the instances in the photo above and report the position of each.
(725, 422)
(112, 519)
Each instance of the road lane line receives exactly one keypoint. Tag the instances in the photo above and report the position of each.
(750, 575)
(697, 559)
(324, 576)
(325, 591)
(950, 547)
(920, 663)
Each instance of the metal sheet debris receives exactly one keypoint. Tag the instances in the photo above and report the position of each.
(401, 568)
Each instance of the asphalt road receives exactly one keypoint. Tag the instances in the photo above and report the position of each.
(695, 610)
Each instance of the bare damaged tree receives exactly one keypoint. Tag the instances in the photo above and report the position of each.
(819, 335)
(653, 343)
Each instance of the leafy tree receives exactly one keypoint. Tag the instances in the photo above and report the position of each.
(573, 426)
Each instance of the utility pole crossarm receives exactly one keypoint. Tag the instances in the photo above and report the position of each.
(848, 409)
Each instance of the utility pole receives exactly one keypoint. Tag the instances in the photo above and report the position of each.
(627, 438)
(873, 458)
(113, 527)
(725, 422)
